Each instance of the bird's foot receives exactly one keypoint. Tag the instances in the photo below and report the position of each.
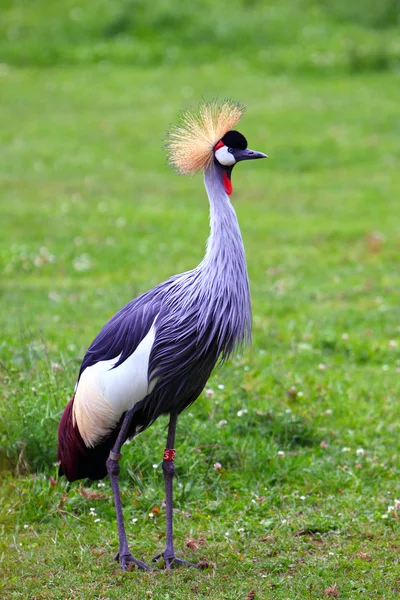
(170, 559)
(127, 559)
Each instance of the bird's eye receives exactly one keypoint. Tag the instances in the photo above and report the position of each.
(230, 150)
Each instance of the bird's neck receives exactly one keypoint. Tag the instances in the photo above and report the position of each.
(224, 267)
(225, 244)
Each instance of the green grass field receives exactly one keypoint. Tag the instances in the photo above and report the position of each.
(305, 423)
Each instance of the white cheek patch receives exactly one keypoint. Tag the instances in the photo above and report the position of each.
(224, 157)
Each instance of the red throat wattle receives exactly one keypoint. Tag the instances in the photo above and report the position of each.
(227, 183)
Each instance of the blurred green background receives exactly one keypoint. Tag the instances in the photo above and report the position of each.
(293, 35)
(91, 216)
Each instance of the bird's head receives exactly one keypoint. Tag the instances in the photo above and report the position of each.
(231, 149)
(205, 139)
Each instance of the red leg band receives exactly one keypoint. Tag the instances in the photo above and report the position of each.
(169, 454)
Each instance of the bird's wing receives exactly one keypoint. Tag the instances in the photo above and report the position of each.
(114, 372)
(124, 331)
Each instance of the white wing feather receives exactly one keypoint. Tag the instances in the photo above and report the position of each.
(104, 393)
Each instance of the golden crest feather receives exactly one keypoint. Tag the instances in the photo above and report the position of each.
(190, 145)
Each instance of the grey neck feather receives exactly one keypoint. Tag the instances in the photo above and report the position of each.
(225, 241)
(224, 267)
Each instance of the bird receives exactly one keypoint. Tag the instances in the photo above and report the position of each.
(155, 355)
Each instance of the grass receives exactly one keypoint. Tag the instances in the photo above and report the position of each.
(306, 35)
(304, 424)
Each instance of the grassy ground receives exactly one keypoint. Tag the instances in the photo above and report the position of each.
(306, 35)
(305, 424)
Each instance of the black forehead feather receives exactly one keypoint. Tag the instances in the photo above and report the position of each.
(234, 139)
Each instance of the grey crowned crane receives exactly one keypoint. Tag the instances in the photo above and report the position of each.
(155, 355)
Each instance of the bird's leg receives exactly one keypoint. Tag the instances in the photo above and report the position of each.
(169, 472)
(113, 467)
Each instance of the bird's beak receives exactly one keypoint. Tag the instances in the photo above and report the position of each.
(248, 155)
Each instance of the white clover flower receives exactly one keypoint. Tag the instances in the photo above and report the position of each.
(54, 296)
(222, 423)
(217, 466)
(360, 451)
(221, 386)
(120, 222)
(241, 412)
(82, 263)
(281, 453)
(209, 393)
